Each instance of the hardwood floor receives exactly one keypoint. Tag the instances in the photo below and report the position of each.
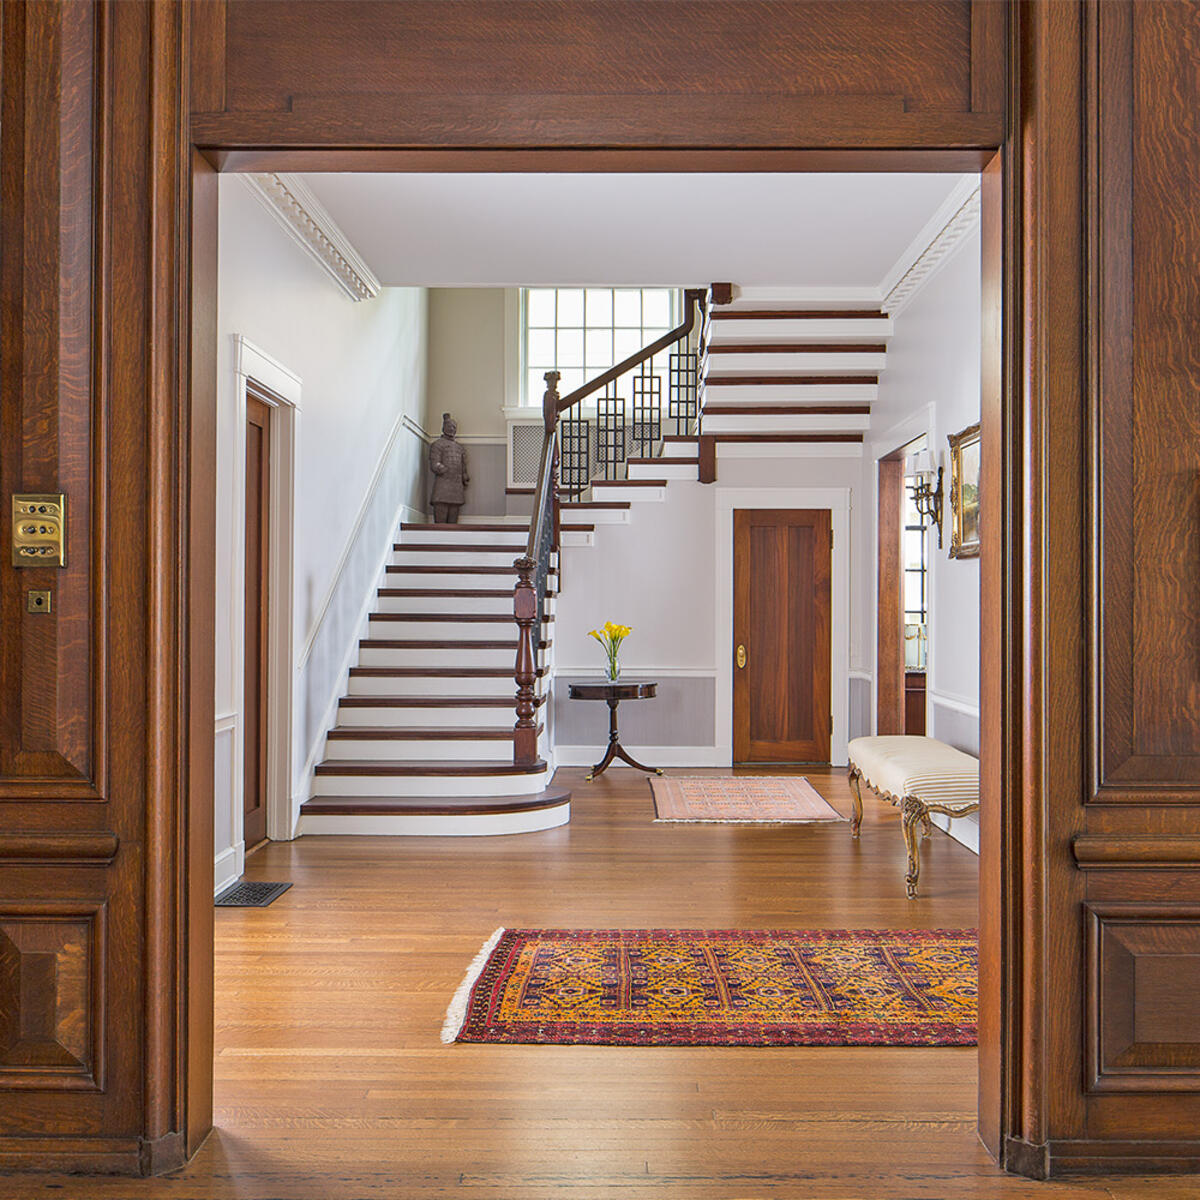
(332, 1083)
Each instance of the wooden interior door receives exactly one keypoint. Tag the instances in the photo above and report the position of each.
(781, 617)
(254, 706)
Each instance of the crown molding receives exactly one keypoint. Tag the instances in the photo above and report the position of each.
(305, 220)
(933, 247)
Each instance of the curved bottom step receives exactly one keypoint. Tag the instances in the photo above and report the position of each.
(436, 816)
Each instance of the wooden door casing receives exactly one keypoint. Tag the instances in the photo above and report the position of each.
(256, 621)
(781, 615)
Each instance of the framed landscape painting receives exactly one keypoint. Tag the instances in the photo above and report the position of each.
(964, 493)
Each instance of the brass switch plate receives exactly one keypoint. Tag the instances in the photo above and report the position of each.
(39, 530)
(39, 601)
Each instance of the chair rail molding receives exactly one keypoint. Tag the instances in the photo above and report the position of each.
(307, 222)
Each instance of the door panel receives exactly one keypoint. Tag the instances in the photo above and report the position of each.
(781, 696)
(254, 707)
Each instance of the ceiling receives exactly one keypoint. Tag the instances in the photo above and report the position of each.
(505, 230)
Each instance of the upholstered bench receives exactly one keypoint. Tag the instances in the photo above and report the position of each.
(920, 775)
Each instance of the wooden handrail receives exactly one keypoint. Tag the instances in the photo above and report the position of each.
(693, 299)
(544, 525)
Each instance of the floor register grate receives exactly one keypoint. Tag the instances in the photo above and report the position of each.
(250, 894)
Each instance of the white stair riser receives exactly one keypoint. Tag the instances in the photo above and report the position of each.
(800, 330)
(685, 449)
(486, 717)
(432, 685)
(401, 578)
(575, 538)
(389, 750)
(844, 363)
(455, 558)
(599, 516)
(501, 539)
(438, 631)
(783, 423)
(430, 785)
(662, 469)
(635, 495)
(432, 656)
(791, 393)
(499, 604)
(395, 824)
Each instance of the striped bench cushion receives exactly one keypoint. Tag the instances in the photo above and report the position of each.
(917, 766)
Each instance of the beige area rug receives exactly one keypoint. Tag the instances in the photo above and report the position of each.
(740, 800)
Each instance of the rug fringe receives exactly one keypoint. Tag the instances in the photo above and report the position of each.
(456, 1014)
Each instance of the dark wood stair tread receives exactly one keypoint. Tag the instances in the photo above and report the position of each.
(792, 380)
(451, 618)
(439, 644)
(499, 527)
(786, 409)
(433, 806)
(785, 437)
(436, 672)
(464, 548)
(451, 593)
(581, 504)
(653, 462)
(466, 768)
(433, 701)
(799, 348)
(421, 733)
(629, 482)
(452, 569)
(793, 314)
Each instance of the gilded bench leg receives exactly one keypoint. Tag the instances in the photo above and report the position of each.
(912, 811)
(856, 803)
(926, 825)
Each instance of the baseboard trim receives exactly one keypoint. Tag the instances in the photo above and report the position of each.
(71, 1156)
(1062, 1159)
(228, 867)
(655, 756)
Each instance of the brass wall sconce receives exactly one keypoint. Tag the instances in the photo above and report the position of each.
(926, 489)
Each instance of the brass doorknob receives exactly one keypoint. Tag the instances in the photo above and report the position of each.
(741, 656)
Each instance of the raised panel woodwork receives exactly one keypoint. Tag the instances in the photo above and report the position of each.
(51, 997)
(51, 726)
(1145, 477)
(1144, 998)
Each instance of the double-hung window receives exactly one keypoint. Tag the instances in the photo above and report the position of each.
(581, 332)
(916, 583)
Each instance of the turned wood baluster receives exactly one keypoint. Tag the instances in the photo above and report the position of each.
(525, 610)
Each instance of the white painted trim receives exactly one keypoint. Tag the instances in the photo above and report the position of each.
(964, 830)
(838, 501)
(303, 786)
(514, 348)
(403, 421)
(768, 450)
(636, 673)
(823, 297)
(864, 676)
(399, 825)
(306, 221)
(959, 704)
(281, 390)
(655, 756)
(467, 439)
(228, 867)
(947, 230)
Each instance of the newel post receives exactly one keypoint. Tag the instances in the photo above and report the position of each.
(525, 610)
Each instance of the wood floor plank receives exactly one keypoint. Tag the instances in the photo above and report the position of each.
(332, 1084)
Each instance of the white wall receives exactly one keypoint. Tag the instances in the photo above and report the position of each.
(362, 368)
(931, 386)
(659, 574)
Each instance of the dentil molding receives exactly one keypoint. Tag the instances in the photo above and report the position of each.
(305, 220)
(961, 224)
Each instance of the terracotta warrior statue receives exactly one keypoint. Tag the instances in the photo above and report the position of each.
(448, 462)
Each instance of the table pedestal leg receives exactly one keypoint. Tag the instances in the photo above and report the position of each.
(616, 750)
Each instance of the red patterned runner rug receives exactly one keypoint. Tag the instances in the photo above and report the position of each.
(740, 800)
(725, 987)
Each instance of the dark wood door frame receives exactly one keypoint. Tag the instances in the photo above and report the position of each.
(889, 605)
(256, 619)
(1088, 849)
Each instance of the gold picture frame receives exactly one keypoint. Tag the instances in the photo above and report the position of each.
(965, 461)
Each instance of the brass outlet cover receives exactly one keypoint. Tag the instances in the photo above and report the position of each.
(39, 600)
(39, 523)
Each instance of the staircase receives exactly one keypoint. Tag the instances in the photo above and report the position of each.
(424, 738)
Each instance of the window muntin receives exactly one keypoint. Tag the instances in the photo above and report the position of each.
(582, 332)
(916, 583)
